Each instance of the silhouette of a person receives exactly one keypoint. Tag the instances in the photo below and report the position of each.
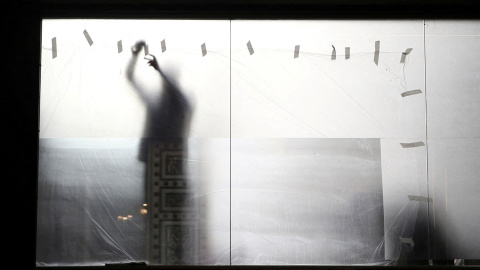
(167, 121)
(168, 114)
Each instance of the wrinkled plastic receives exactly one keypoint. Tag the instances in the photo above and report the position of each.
(258, 142)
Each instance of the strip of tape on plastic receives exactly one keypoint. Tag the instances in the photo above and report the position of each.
(297, 51)
(419, 198)
(54, 47)
(250, 48)
(404, 55)
(414, 144)
(87, 36)
(377, 52)
(204, 49)
(411, 92)
(119, 46)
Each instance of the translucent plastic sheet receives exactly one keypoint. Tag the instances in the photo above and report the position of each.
(454, 138)
(258, 142)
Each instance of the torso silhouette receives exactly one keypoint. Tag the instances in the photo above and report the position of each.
(168, 117)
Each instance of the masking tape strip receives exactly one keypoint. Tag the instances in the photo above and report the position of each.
(411, 92)
(414, 144)
(54, 48)
(377, 52)
(204, 49)
(164, 46)
(407, 241)
(250, 48)
(87, 36)
(419, 198)
(404, 55)
(146, 50)
(334, 53)
(119, 46)
(297, 51)
(347, 52)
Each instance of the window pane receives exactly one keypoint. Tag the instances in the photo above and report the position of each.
(453, 81)
(257, 142)
(133, 161)
(319, 173)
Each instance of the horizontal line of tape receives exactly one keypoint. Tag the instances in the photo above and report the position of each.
(411, 92)
(414, 144)
(419, 198)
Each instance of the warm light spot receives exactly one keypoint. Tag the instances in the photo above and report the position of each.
(124, 218)
(119, 217)
(143, 211)
(129, 216)
(144, 204)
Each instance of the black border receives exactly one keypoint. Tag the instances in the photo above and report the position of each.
(21, 36)
(263, 9)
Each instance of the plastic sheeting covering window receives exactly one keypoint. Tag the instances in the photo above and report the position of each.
(217, 142)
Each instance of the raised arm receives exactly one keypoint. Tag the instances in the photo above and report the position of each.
(133, 61)
(152, 61)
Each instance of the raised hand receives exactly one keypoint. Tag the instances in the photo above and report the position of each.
(138, 47)
(152, 61)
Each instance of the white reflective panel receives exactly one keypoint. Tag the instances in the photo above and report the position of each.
(453, 95)
(131, 158)
(306, 97)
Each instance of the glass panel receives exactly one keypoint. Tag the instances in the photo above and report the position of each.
(134, 162)
(453, 78)
(326, 151)
(258, 142)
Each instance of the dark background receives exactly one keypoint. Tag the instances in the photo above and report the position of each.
(21, 34)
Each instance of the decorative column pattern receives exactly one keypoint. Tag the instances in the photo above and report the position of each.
(174, 216)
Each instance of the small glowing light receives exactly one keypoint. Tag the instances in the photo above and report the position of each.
(144, 204)
(143, 211)
(129, 216)
(125, 218)
(119, 217)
